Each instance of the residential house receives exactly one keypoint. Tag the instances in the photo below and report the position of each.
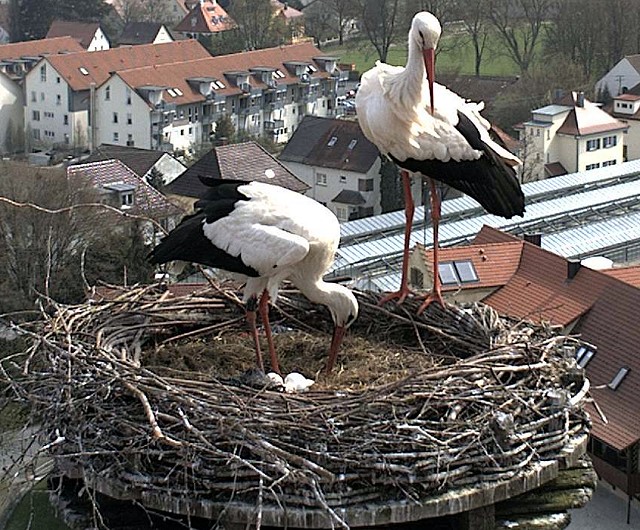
(246, 161)
(136, 33)
(205, 19)
(89, 34)
(167, 11)
(176, 106)
(15, 61)
(570, 136)
(145, 163)
(626, 108)
(60, 90)
(292, 18)
(119, 187)
(519, 279)
(624, 75)
(338, 163)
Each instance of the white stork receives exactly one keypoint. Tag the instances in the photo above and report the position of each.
(428, 129)
(267, 234)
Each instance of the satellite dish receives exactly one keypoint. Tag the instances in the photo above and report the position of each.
(269, 173)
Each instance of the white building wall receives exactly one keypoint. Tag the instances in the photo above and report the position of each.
(11, 110)
(632, 139)
(620, 78)
(114, 98)
(99, 42)
(162, 36)
(47, 114)
(601, 156)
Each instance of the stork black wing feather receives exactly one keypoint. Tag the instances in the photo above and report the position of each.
(488, 180)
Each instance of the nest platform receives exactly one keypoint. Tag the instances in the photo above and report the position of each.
(150, 397)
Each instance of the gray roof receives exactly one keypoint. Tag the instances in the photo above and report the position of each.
(140, 161)
(246, 161)
(551, 110)
(349, 197)
(140, 33)
(326, 142)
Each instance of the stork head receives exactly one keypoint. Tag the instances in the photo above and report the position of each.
(424, 34)
(344, 310)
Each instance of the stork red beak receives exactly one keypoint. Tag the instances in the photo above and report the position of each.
(429, 56)
(336, 341)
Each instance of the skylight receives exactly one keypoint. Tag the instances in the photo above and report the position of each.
(332, 141)
(457, 272)
(311, 68)
(178, 91)
(615, 382)
(352, 144)
(83, 70)
(172, 92)
(218, 84)
(584, 354)
(279, 74)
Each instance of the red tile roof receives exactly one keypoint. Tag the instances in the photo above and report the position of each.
(630, 275)
(588, 118)
(206, 17)
(495, 263)
(605, 309)
(37, 48)
(148, 200)
(175, 75)
(100, 64)
(83, 32)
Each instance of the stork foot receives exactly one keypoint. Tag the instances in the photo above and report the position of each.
(400, 296)
(433, 296)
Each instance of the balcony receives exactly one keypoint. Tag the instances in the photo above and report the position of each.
(273, 124)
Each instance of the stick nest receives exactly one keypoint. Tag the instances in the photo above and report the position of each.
(153, 392)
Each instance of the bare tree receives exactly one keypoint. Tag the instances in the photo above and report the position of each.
(380, 23)
(473, 16)
(330, 17)
(519, 24)
(257, 26)
(143, 11)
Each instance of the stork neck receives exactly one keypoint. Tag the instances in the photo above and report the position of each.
(316, 290)
(411, 83)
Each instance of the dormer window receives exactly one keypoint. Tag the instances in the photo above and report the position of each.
(126, 198)
(457, 272)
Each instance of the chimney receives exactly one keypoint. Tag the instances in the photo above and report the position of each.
(573, 266)
(580, 99)
(534, 239)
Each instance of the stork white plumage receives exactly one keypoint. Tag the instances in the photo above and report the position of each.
(428, 129)
(267, 234)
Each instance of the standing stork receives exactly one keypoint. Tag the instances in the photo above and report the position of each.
(426, 128)
(267, 234)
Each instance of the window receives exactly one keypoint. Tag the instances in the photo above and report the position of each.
(615, 382)
(584, 354)
(65, 119)
(107, 93)
(35, 115)
(352, 144)
(115, 117)
(83, 70)
(126, 198)
(129, 118)
(593, 145)
(457, 272)
(41, 96)
(537, 132)
(116, 137)
(58, 99)
(343, 179)
(416, 278)
(130, 141)
(128, 96)
(35, 133)
(365, 184)
(43, 73)
(609, 141)
(34, 96)
(609, 163)
(321, 179)
(332, 141)
(341, 213)
(48, 114)
(593, 166)
(49, 134)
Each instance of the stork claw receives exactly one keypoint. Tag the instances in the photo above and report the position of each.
(433, 296)
(400, 296)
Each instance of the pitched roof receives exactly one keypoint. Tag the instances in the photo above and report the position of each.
(100, 64)
(148, 200)
(634, 60)
(206, 17)
(607, 309)
(177, 74)
(331, 143)
(588, 118)
(139, 160)
(349, 197)
(555, 169)
(83, 32)
(285, 10)
(135, 33)
(494, 263)
(630, 275)
(246, 161)
(38, 48)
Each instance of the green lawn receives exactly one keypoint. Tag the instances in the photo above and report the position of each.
(454, 57)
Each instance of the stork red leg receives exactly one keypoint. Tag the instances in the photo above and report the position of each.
(264, 313)
(251, 320)
(409, 209)
(436, 292)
